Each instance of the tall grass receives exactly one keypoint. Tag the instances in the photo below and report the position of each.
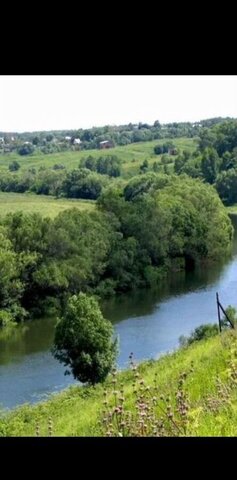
(190, 392)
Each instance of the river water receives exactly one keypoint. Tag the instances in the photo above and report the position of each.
(147, 322)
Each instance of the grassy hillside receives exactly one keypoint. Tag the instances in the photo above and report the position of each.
(46, 205)
(203, 377)
(131, 155)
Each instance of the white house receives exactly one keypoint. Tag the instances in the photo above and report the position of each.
(77, 141)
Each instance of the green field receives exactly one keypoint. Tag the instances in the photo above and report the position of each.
(131, 156)
(210, 387)
(43, 204)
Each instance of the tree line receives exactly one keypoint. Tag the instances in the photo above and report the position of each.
(28, 143)
(215, 160)
(86, 183)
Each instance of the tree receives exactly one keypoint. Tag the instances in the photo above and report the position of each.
(14, 166)
(49, 137)
(83, 340)
(210, 164)
(144, 166)
(26, 149)
(226, 185)
(158, 149)
(36, 140)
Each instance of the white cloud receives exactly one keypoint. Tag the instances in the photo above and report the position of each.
(30, 103)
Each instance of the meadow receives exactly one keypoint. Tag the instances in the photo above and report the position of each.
(46, 205)
(131, 156)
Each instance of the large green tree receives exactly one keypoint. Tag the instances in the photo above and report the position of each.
(83, 340)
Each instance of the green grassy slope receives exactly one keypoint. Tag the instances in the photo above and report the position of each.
(131, 155)
(211, 387)
(45, 205)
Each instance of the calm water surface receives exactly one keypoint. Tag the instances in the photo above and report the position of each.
(148, 323)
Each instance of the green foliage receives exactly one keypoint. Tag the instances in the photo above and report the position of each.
(83, 340)
(144, 166)
(158, 149)
(82, 183)
(47, 206)
(108, 165)
(58, 166)
(142, 229)
(203, 331)
(165, 148)
(203, 376)
(6, 319)
(232, 315)
(166, 159)
(14, 166)
(144, 184)
(226, 185)
(210, 165)
(229, 160)
(26, 149)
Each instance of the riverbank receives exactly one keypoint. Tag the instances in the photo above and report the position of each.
(209, 387)
(232, 210)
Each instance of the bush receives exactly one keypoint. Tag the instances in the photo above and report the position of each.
(201, 332)
(158, 149)
(14, 166)
(166, 159)
(232, 314)
(6, 319)
(26, 149)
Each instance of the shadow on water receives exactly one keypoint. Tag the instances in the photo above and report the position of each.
(146, 301)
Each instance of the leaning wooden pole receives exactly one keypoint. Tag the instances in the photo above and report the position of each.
(218, 311)
(227, 317)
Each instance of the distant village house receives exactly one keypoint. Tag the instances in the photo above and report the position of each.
(172, 151)
(106, 144)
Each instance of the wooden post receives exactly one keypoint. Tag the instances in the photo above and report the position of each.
(228, 318)
(218, 311)
(219, 306)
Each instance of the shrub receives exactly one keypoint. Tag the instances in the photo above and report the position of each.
(203, 331)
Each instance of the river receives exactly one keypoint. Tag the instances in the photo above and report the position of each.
(147, 322)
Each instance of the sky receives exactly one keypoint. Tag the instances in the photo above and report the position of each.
(61, 102)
